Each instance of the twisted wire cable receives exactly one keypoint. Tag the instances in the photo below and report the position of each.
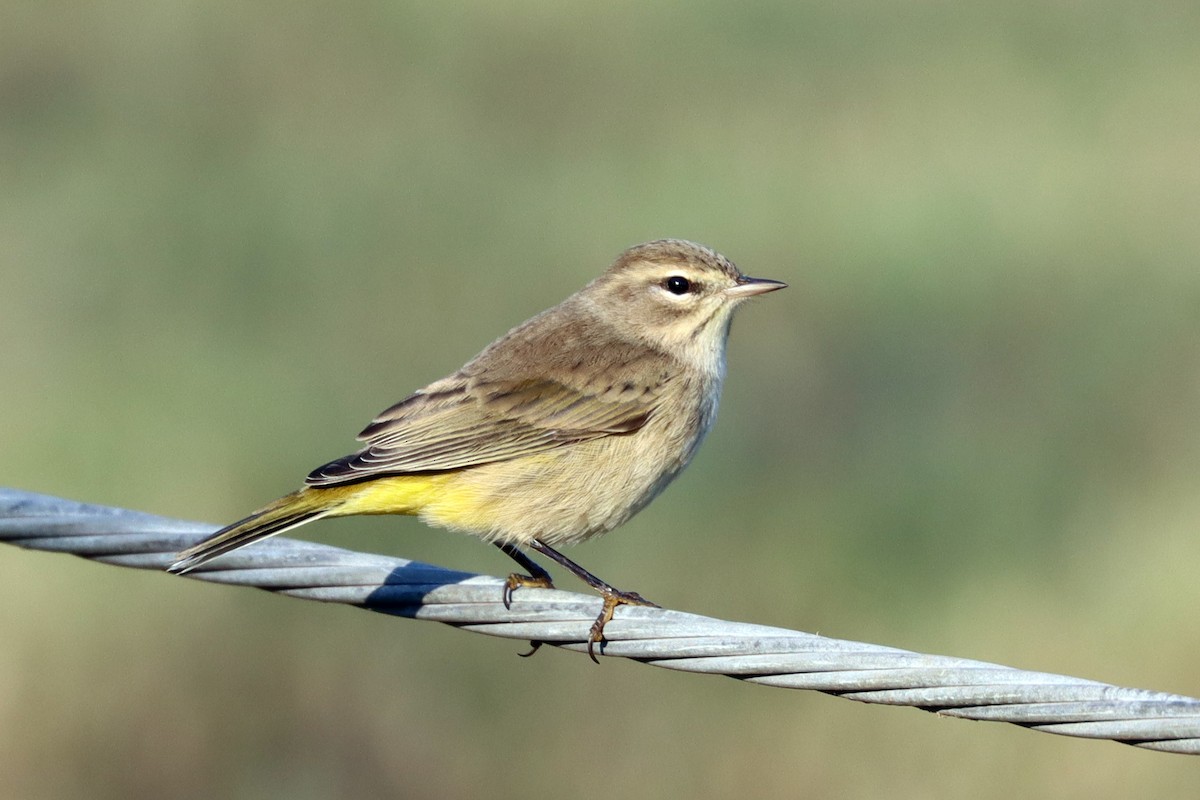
(660, 637)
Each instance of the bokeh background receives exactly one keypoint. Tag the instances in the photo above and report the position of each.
(232, 232)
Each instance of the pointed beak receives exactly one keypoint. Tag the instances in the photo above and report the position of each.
(749, 287)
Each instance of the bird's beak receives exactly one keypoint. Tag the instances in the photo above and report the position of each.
(749, 287)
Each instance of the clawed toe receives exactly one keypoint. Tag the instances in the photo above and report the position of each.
(612, 599)
(534, 646)
(516, 581)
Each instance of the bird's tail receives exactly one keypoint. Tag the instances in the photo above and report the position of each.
(282, 515)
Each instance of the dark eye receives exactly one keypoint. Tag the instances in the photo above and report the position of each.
(677, 284)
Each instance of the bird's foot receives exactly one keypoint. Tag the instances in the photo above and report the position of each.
(516, 581)
(612, 599)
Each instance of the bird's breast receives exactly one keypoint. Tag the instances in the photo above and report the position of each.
(578, 490)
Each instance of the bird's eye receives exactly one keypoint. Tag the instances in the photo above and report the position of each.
(677, 284)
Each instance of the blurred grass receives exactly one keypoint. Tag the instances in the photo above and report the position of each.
(232, 233)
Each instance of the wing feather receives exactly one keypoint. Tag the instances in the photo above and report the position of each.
(458, 423)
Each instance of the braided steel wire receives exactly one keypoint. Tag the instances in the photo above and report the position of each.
(660, 637)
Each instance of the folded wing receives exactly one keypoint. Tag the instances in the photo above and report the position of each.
(459, 422)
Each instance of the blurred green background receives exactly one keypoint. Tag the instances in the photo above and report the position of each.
(231, 233)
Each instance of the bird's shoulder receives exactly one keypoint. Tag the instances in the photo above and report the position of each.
(564, 369)
(574, 347)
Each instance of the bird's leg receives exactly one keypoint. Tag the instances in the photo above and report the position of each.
(612, 597)
(537, 577)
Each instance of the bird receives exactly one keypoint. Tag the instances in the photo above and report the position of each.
(560, 430)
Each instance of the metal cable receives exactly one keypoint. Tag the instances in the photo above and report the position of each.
(664, 638)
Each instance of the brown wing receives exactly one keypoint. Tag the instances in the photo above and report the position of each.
(459, 422)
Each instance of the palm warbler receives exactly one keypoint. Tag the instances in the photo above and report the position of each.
(560, 430)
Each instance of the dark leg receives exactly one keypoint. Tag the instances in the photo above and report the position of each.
(612, 597)
(537, 576)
